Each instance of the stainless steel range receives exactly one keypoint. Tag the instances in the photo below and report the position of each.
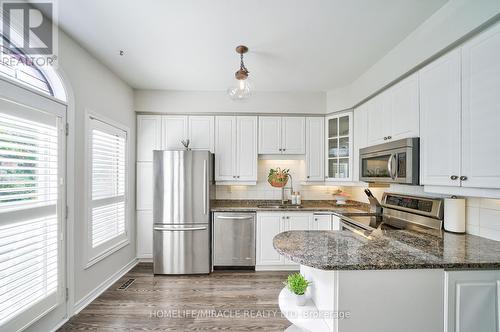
(398, 212)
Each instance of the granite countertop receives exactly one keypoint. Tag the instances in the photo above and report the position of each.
(307, 205)
(388, 249)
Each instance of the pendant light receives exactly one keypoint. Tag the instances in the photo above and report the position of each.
(242, 90)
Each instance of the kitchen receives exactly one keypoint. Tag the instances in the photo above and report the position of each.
(344, 178)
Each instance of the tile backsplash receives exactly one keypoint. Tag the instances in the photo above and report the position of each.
(263, 190)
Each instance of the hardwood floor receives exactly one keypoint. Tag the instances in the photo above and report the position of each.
(221, 301)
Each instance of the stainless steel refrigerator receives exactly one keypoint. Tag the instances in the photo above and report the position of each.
(181, 211)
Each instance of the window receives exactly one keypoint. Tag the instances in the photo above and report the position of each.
(107, 210)
(31, 184)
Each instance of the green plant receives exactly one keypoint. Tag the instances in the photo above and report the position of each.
(278, 177)
(296, 283)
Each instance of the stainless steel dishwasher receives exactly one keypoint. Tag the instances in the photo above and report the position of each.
(233, 240)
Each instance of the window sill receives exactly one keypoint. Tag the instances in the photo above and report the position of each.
(109, 251)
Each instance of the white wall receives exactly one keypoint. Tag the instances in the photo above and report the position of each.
(218, 102)
(263, 190)
(453, 21)
(95, 88)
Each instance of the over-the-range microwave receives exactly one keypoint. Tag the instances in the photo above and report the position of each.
(392, 162)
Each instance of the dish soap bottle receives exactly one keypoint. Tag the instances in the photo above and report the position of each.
(294, 198)
(298, 199)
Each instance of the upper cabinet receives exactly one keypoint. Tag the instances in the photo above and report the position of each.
(315, 149)
(440, 121)
(148, 136)
(201, 132)
(175, 129)
(236, 148)
(481, 110)
(394, 114)
(338, 129)
(460, 114)
(282, 135)
(360, 138)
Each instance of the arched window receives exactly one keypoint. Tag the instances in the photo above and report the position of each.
(18, 67)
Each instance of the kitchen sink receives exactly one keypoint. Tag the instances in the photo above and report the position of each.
(279, 206)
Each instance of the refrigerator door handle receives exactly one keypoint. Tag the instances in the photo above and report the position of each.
(205, 186)
(179, 229)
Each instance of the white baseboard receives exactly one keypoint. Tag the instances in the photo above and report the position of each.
(61, 323)
(145, 259)
(85, 301)
(277, 268)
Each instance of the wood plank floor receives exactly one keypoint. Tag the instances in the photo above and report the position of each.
(221, 301)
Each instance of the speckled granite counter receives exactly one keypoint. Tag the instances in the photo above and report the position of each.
(388, 249)
(307, 205)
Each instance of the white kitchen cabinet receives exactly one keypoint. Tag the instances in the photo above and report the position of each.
(338, 145)
(394, 114)
(282, 135)
(440, 107)
(360, 127)
(174, 130)
(246, 148)
(471, 301)
(145, 234)
(321, 222)
(269, 134)
(201, 132)
(315, 147)
(335, 223)
(144, 186)
(148, 136)
(236, 148)
(269, 224)
(481, 110)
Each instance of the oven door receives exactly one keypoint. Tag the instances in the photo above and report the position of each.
(390, 166)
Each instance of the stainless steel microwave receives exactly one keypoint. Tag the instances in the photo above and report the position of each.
(392, 162)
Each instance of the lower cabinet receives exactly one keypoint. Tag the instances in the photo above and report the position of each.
(145, 234)
(471, 301)
(270, 224)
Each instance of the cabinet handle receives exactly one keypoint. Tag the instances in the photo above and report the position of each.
(288, 217)
(238, 176)
(280, 149)
(308, 176)
(454, 177)
(389, 137)
(463, 178)
(284, 149)
(385, 138)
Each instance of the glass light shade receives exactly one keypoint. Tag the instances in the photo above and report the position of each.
(242, 90)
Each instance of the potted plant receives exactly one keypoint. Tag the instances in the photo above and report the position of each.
(297, 285)
(278, 177)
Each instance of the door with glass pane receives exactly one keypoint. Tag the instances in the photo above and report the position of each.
(32, 192)
(339, 147)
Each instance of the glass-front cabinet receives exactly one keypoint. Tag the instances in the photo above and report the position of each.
(339, 147)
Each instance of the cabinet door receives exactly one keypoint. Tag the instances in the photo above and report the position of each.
(201, 133)
(268, 225)
(246, 148)
(269, 135)
(297, 222)
(440, 121)
(144, 186)
(315, 149)
(145, 234)
(404, 109)
(481, 110)
(322, 222)
(148, 136)
(360, 127)
(339, 147)
(175, 129)
(471, 301)
(225, 148)
(379, 118)
(293, 135)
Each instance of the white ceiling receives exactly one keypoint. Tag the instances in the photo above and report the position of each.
(295, 45)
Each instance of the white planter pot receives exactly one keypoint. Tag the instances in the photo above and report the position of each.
(300, 300)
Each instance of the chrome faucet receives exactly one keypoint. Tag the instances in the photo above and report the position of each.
(375, 206)
(283, 200)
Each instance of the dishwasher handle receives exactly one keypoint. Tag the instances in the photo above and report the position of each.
(234, 217)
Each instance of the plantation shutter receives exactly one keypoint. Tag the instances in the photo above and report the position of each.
(108, 185)
(30, 217)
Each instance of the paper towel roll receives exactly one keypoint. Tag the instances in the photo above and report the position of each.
(454, 215)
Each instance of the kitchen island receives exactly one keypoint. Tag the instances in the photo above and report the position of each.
(396, 280)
